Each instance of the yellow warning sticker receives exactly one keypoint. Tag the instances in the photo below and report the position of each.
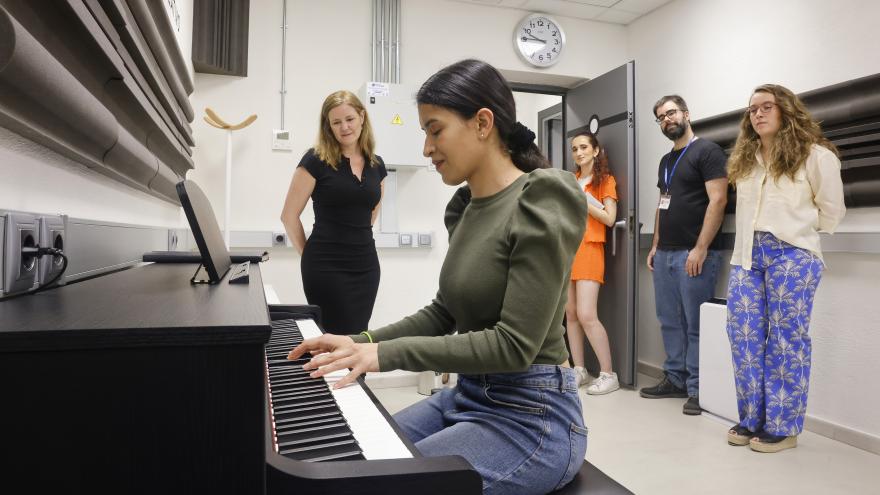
(396, 120)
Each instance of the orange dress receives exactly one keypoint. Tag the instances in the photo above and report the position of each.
(589, 261)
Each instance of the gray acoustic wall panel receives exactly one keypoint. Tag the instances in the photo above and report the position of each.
(99, 82)
(220, 36)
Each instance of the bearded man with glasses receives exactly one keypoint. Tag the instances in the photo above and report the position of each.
(685, 253)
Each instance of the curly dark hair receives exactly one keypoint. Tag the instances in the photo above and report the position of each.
(600, 164)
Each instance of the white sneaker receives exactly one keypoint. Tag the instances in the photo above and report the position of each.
(582, 376)
(606, 383)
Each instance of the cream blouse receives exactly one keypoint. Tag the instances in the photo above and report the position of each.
(792, 210)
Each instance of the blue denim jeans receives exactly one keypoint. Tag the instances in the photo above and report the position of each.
(768, 323)
(523, 432)
(678, 297)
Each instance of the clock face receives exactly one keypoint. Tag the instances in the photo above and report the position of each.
(539, 40)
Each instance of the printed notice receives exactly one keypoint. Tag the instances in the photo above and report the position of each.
(377, 89)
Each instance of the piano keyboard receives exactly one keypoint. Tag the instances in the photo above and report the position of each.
(311, 421)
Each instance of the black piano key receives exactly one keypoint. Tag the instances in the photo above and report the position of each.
(306, 419)
(288, 398)
(313, 435)
(310, 406)
(314, 388)
(302, 425)
(306, 413)
(321, 452)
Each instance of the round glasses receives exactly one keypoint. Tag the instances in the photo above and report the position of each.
(668, 115)
(764, 108)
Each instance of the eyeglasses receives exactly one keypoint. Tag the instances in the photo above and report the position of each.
(764, 108)
(668, 115)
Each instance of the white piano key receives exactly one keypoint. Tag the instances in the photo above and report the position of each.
(372, 431)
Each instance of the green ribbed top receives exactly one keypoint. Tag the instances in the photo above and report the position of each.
(503, 284)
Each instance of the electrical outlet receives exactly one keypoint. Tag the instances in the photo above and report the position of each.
(405, 240)
(425, 239)
(19, 271)
(52, 234)
(279, 239)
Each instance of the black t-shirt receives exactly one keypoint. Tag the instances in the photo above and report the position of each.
(343, 204)
(680, 224)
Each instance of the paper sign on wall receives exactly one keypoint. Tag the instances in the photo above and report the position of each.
(377, 89)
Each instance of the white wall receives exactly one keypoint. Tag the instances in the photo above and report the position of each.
(713, 53)
(327, 52)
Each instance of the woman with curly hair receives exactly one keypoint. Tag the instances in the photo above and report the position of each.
(788, 188)
(588, 270)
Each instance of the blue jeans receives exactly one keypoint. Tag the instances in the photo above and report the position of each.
(678, 297)
(768, 320)
(523, 432)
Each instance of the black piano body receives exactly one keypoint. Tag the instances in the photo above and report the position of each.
(139, 382)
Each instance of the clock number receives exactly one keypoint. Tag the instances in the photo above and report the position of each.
(525, 39)
(554, 33)
(541, 58)
(555, 42)
(540, 22)
(528, 31)
(531, 24)
(554, 49)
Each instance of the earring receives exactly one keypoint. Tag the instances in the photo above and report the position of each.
(481, 135)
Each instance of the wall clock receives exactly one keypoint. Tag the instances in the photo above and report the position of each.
(539, 40)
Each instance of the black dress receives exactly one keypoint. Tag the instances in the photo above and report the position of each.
(340, 267)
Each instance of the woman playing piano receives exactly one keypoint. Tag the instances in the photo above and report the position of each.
(344, 178)
(515, 414)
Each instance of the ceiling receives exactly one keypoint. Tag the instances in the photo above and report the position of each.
(611, 11)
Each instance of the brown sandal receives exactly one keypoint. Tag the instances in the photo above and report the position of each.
(739, 435)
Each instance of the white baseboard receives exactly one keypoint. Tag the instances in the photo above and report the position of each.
(834, 431)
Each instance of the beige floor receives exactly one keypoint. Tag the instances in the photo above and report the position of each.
(650, 447)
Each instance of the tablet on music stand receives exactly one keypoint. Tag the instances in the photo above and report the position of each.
(206, 232)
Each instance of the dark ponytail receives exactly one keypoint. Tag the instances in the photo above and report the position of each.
(467, 86)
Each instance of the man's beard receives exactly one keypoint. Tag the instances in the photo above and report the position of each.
(677, 130)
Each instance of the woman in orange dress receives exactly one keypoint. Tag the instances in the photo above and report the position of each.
(588, 270)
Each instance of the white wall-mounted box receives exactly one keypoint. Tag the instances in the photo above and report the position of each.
(395, 120)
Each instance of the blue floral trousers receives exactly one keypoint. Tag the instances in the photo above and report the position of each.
(768, 317)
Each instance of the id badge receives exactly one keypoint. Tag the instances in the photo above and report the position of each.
(665, 199)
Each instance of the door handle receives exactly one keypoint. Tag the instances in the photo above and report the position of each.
(617, 224)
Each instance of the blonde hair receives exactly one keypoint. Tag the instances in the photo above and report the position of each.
(327, 147)
(798, 132)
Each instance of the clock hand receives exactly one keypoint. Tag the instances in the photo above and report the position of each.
(537, 39)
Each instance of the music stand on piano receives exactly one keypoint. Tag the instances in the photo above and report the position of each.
(203, 223)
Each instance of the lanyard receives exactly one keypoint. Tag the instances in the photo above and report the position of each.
(667, 176)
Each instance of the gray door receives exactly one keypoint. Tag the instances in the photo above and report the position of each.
(605, 106)
(550, 138)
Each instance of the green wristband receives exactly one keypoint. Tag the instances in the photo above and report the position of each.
(368, 335)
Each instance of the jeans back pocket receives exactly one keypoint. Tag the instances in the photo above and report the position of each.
(522, 399)
(578, 441)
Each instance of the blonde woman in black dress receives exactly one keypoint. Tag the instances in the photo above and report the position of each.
(344, 178)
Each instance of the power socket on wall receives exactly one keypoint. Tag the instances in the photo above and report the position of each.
(19, 271)
(279, 239)
(52, 234)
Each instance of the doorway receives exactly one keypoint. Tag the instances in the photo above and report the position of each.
(604, 106)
